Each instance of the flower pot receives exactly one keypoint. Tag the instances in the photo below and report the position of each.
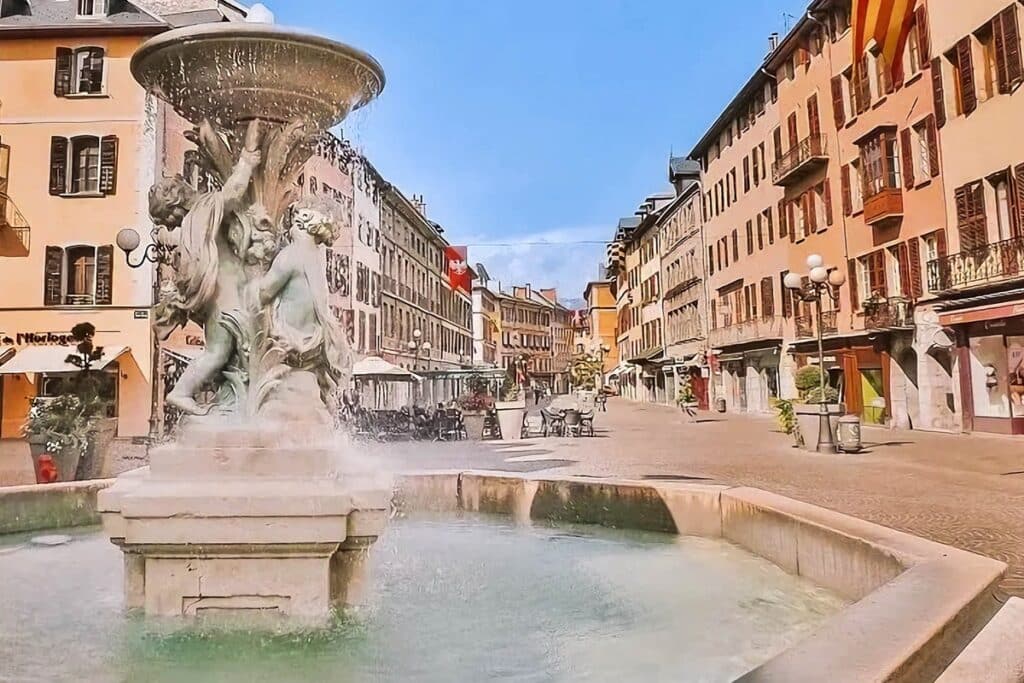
(510, 419)
(474, 422)
(807, 417)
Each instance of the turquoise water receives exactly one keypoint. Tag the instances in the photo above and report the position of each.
(454, 599)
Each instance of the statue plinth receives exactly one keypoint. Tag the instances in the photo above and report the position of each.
(229, 529)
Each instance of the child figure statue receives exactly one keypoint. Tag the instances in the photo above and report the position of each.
(301, 322)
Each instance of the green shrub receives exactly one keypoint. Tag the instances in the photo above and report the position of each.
(806, 378)
(815, 395)
(786, 417)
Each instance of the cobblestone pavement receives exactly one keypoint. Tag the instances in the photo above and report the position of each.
(966, 491)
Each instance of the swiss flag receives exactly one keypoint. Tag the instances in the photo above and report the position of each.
(458, 269)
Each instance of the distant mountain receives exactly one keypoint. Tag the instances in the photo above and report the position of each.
(573, 303)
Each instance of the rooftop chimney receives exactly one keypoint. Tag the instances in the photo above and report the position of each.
(421, 206)
(773, 42)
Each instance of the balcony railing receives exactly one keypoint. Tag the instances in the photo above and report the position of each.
(747, 331)
(808, 154)
(805, 325)
(78, 299)
(387, 283)
(884, 314)
(884, 206)
(994, 262)
(15, 233)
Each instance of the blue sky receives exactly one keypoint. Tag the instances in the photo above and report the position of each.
(541, 121)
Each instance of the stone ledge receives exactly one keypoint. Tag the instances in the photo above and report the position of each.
(996, 655)
(50, 506)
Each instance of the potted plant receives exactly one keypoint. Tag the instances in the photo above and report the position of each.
(685, 398)
(807, 408)
(786, 416)
(474, 405)
(511, 410)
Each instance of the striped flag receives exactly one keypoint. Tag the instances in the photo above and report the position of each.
(888, 22)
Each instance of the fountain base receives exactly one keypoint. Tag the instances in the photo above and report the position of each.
(233, 523)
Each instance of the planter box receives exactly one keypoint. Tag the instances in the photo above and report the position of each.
(510, 419)
(474, 425)
(807, 418)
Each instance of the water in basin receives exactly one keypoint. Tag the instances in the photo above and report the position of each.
(453, 599)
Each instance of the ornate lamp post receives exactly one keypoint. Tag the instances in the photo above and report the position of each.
(416, 345)
(128, 240)
(821, 282)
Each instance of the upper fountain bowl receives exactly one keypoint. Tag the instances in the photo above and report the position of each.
(234, 72)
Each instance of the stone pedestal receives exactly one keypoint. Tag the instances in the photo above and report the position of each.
(244, 522)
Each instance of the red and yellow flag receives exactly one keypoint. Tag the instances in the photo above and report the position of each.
(888, 22)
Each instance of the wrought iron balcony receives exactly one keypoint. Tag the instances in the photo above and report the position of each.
(996, 262)
(805, 325)
(884, 206)
(15, 233)
(747, 331)
(894, 312)
(808, 155)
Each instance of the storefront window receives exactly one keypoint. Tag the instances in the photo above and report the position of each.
(1015, 381)
(989, 376)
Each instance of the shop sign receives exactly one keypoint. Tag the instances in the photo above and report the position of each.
(38, 339)
(141, 314)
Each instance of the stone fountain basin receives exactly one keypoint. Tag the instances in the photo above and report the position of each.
(916, 604)
(232, 72)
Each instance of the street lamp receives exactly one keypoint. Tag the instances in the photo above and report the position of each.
(820, 282)
(128, 240)
(416, 345)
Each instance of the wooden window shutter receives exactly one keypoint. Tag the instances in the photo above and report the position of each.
(826, 197)
(838, 108)
(1007, 35)
(810, 213)
(108, 164)
(938, 92)
(932, 133)
(735, 246)
(711, 260)
(813, 120)
(53, 277)
(792, 130)
(1017, 183)
(791, 219)
(714, 314)
(965, 68)
(105, 275)
(58, 165)
(787, 302)
(851, 282)
(844, 180)
(783, 225)
(940, 244)
(876, 271)
(750, 238)
(914, 257)
(863, 80)
(921, 19)
(771, 225)
(903, 260)
(777, 143)
(767, 298)
(746, 174)
(62, 72)
(906, 148)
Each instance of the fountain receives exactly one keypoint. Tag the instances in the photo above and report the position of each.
(247, 512)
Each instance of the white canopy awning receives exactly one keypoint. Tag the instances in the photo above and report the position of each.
(53, 359)
(375, 367)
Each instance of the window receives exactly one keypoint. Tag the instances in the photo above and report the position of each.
(856, 187)
(746, 174)
(750, 238)
(1001, 187)
(970, 216)
(894, 279)
(839, 21)
(92, 8)
(78, 71)
(964, 92)
(80, 275)
(879, 157)
(913, 62)
(83, 165)
(755, 165)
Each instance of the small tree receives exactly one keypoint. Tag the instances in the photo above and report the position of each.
(808, 383)
(584, 369)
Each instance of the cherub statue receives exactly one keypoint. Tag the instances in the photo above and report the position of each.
(209, 282)
(295, 288)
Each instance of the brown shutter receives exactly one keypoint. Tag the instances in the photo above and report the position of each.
(750, 238)
(906, 148)
(58, 165)
(938, 93)
(940, 243)
(792, 130)
(791, 219)
(767, 298)
(903, 260)
(62, 73)
(1018, 198)
(783, 225)
(813, 120)
(771, 226)
(838, 108)
(970, 216)
(810, 213)
(714, 314)
(777, 143)
(826, 196)
(921, 19)
(53, 276)
(965, 67)
(852, 283)
(787, 302)
(932, 134)
(105, 275)
(914, 256)
(95, 76)
(863, 85)
(999, 38)
(844, 179)
(108, 164)
(877, 270)
(1014, 71)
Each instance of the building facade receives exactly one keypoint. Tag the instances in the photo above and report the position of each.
(486, 325)
(526, 332)
(599, 324)
(746, 247)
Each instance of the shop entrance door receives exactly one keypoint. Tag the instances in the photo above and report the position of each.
(873, 393)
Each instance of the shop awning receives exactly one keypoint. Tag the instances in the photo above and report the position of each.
(647, 356)
(375, 367)
(982, 313)
(53, 359)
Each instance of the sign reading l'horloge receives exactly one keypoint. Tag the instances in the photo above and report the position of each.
(37, 338)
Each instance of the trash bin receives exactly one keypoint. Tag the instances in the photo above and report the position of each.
(848, 434)
(720, 405)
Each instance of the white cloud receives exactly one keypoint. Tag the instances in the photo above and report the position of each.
(564, 258)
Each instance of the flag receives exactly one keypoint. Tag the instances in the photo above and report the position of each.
(458, 269)
(888, 22)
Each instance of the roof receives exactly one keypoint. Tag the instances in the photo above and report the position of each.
(682, 166)
(202, 16)
(53, 359)
(56, 15)
(730, 112)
